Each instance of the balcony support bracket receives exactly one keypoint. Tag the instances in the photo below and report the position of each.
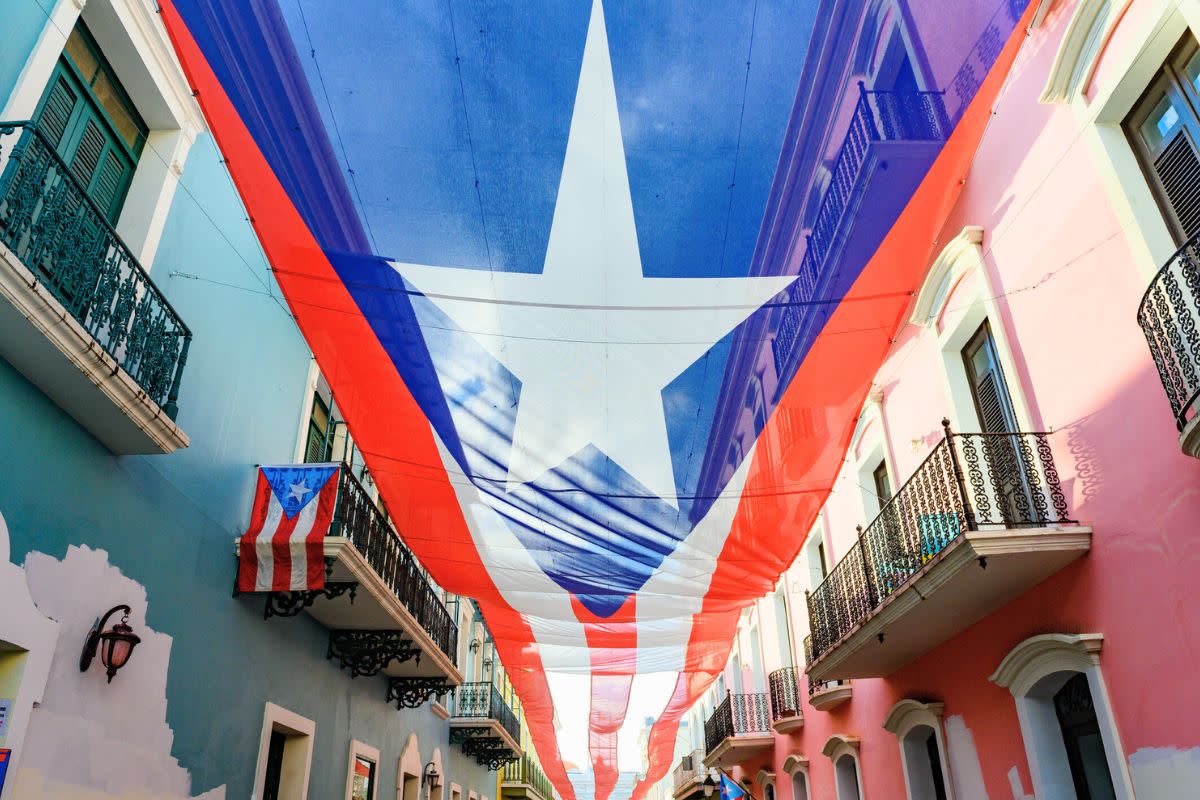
(370, 652)
(289, 604)
(414, 692)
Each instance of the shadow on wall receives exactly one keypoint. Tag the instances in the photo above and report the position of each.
(91, 740)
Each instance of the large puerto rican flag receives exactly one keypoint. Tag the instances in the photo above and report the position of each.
(546, 254)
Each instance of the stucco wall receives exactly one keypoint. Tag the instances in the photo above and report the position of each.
(167, 523)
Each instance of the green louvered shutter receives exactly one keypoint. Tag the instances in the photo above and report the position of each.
(72, 122)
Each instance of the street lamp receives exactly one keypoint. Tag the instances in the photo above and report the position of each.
(115, 645)
(709, 785)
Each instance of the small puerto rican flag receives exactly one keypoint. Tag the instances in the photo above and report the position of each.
(293, 509)
(731, 791)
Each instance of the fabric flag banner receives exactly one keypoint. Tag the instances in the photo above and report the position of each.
(730, 790)
(600, 287)
(282, 550)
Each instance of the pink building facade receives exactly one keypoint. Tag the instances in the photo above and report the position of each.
(1016, 617)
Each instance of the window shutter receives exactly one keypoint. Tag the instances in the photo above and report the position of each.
(56, 111)
(1178, 170)
(109, 182)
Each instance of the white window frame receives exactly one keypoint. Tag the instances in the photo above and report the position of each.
(1102, 99)
(796, 764)
(279, 718)
(871, 447)
(1035, 669)
(836, 747)
(902, 719)
(369, 753)
(954, 317)
(134, 40)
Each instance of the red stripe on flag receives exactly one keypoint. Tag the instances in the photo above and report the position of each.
(315, 544)
(247, 553)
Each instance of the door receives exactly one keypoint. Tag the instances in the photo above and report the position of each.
(1006, 470)
(1081, 735)
(274, 771)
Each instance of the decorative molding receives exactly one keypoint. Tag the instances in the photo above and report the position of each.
(840, 744)
(962, 254)
(1041, 655)
(909, 713)
(764, 777)
(1080, 47)
(794, 763)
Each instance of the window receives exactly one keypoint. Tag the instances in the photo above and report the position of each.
(89, 119)
(846, 778)
(1067, 724)
(843, 752)
(799, 786)
(1081, 736)
(285, 755)
(989, 390)
(361, 778)
(918, 729)
(883, 484)
(1164, 130)
(319, 445)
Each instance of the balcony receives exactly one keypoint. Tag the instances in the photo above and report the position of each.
(523, 779)
(737, 731)
(81, 318)
(892, 140)
(786, 714)
(941, 556)
(689, 776)
(383, 615)
(484, 725)
(1170, 319)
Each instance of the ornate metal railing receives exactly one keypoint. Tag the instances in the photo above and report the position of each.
(1170, 319)
(969, 480)
(785, 693)
(878, 116)
(689, 768)
(357, 518)
(59, 233)
(527, 771)
(738, 715)
(482, 700)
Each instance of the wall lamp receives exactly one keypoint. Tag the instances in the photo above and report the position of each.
(430, 776)
(115, 644)
(709, 785)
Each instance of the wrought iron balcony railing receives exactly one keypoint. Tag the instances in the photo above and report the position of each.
(738, 715)
(689, 768)
(358, 519)
(49, 222)
(482, 700)
(1170, 319)
(969, 480)
(887, 116)
(527, 771)
(785, 693)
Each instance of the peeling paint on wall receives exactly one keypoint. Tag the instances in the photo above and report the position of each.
(965, 770)
(1164, 773)
(89, 739)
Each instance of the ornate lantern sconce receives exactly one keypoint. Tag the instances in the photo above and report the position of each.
(114, 645)
(709, 785)
(430, 777)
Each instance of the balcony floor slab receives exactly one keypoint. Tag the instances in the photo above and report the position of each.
(737, 750)
(950, 594)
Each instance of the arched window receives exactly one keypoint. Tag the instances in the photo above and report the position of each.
(1066, 721)
(843, 752)
(918, 729)
(799, 786)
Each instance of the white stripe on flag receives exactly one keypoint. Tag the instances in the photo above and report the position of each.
(296, 543)
(262, 543)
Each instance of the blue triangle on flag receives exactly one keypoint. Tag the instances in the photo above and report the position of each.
(296, 485)
(731, 791)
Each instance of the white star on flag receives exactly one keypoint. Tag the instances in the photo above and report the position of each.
(297, 491)
(592, 340)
